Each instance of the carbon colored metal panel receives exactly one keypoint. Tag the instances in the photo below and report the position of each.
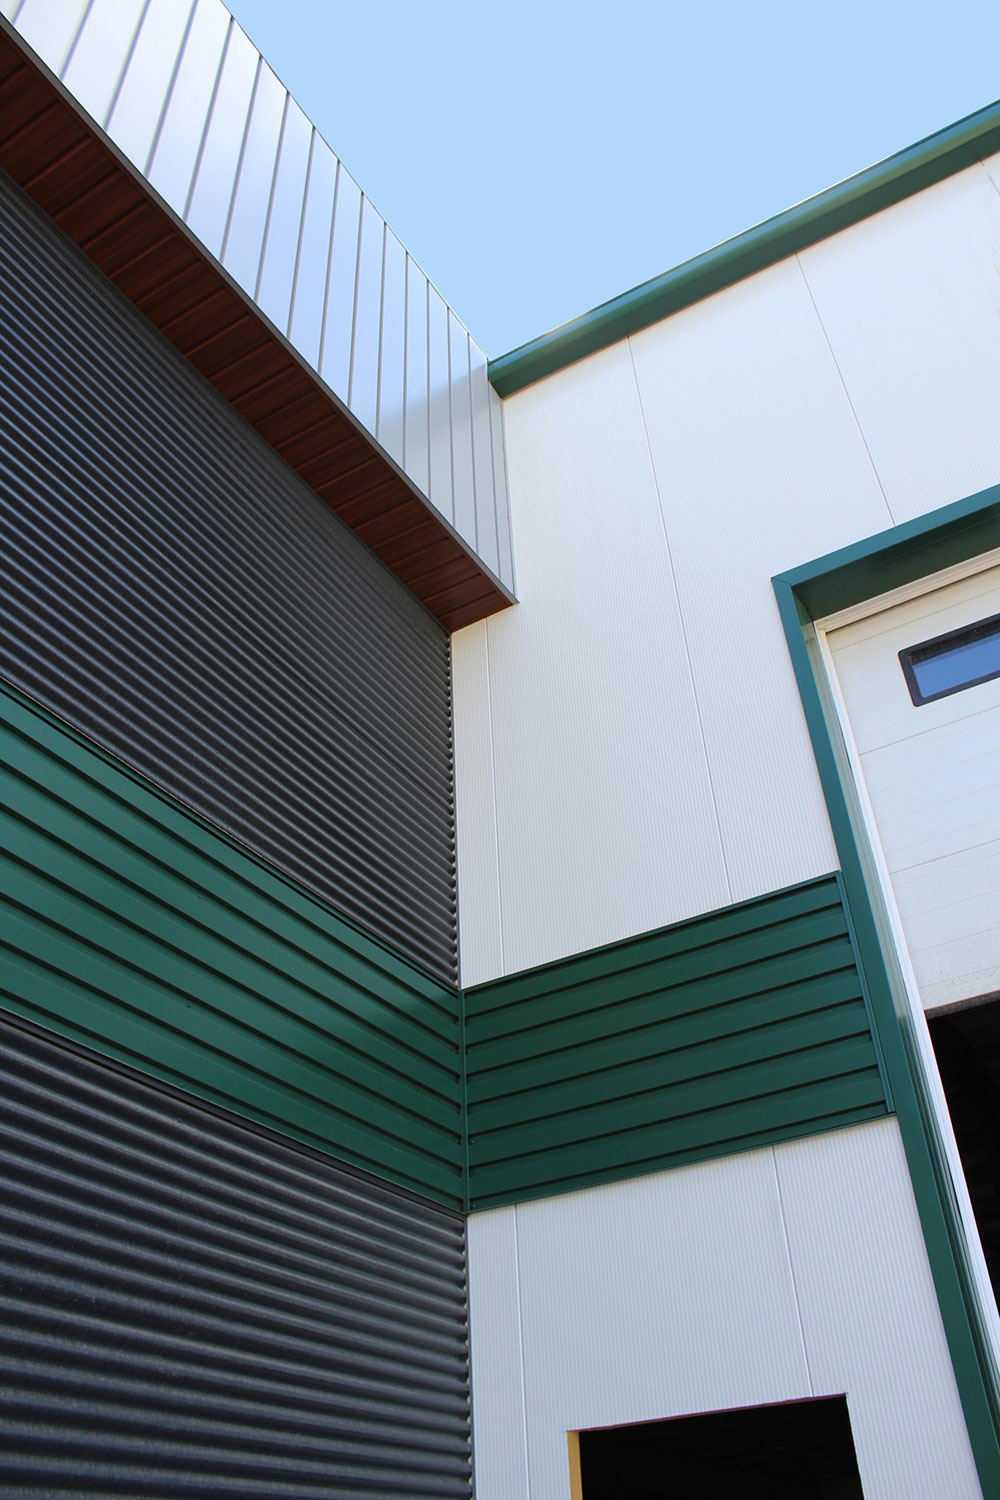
(177, 593)
(742, 1027)
(191, 1307)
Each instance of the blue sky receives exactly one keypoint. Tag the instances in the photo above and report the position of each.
(538, 158)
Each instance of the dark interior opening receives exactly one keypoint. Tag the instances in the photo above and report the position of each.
(800, 1450)
(967, 1045)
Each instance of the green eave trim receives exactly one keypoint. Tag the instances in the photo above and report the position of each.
(883, 562)
(868, 192)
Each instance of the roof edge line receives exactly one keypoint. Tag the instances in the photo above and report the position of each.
(880, 186)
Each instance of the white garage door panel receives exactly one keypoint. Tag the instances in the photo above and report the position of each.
(932, 772)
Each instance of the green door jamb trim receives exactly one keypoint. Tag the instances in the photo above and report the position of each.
(872, 567)
(899, 176)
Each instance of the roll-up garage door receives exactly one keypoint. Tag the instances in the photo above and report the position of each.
(190, 1307)
(921, 685)
(175, 591)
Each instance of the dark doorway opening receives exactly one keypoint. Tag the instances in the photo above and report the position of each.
(800, 1450)
(967, 1045)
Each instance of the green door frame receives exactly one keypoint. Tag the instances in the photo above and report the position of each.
(890, 560)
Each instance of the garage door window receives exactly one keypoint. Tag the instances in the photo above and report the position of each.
(949, 663)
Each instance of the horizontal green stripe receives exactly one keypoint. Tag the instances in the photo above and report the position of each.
(663, 1093)
(677, 1047)
(663, 996)
(671, 1046)
(868, 192)
(746, 932)
(754, 1123)
(134, 929)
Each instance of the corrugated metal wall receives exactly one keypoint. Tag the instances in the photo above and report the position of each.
(189, 100)
(134, 928)
(192, 1308)
(176, 592)
(743, 1027)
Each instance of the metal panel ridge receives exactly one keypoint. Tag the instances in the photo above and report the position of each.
(188, 100)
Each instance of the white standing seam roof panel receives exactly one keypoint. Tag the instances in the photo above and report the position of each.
(188, 99)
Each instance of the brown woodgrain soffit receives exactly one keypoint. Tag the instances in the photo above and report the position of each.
(75, 174)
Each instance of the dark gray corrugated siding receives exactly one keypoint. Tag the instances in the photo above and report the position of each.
(191, 1308)
(173, 590)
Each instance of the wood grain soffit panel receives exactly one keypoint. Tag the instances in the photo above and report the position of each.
(78, 177)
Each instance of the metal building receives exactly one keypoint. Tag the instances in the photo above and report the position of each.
(541, 1045)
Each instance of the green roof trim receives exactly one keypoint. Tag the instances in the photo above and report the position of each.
(868, 192)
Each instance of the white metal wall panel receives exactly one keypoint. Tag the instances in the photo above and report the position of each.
(992, 165)
(606, 822)
(764, 1277)
(869, 1311)
(480, 944)
(664, 1295)
(932, 774)
(499, 1453)
(759, 465)
(910, 301)
(189, 100)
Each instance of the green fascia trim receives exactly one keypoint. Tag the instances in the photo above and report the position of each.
(837, 581)
(898, 556)
(868, 192)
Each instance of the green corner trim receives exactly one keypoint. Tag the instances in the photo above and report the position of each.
(878, 187)
(843, 578)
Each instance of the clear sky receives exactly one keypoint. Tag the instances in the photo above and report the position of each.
(539, 157)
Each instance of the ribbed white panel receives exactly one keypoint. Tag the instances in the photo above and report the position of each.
(664, 1295)
(188, 99)
(606, 824)
(763, 1277)
(480, 944)
(759, 466)
(495, 1330)
(869, 1312)
(910, 302)
(992, 165)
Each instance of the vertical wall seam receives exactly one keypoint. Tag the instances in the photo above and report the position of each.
(168, 97)
(843, 384)
(520, 1356)
(990, 178)
(684, 634)
(116, 95)
(791, 1269)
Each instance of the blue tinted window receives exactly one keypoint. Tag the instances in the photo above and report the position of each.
(952, 662)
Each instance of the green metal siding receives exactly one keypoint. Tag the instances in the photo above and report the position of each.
(132, 927)
(733, 1030)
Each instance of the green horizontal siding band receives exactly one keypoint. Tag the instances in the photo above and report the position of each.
(747, 917)
(662, 1098)
(671, 1045)
(868, 192)
(672, 998)
(735, 957)
(674, 1049)
(755, 1123)
(196, 930)
(133, 928)
(139, 931)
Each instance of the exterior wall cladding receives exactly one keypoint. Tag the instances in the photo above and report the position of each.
(675, 1116)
